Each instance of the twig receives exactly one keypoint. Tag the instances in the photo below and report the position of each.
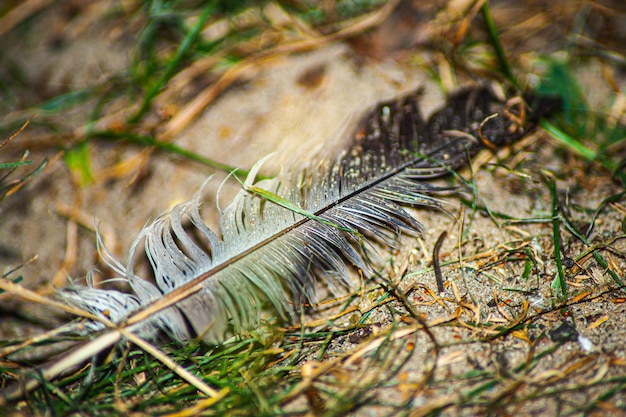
(436, 264)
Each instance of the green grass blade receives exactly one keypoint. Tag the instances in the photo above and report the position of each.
(568, 141)
(492, 32)
(66, 101)
(182, 51)
(559, 282)
(79, 162)
(168, 147)
(276, 199)
(11, 165)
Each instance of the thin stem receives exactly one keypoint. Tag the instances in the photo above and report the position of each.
(492, 31)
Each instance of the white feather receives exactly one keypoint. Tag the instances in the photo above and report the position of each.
(265, 251)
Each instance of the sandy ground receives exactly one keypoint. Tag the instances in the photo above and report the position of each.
(48, 225)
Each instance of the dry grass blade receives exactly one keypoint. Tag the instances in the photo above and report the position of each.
(186, 115)
(25, 294)
(68, 362)
(20, 13)
(7, 351)
(16, 134)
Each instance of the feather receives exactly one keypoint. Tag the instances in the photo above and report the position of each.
(279, 237)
